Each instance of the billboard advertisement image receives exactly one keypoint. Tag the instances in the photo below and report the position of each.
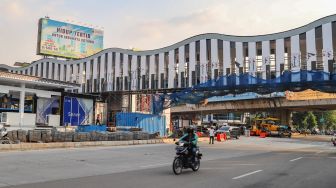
(77, 111)
(67, 40)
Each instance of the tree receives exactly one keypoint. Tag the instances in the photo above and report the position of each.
(298, 120)
(329, 119)
(310, 120)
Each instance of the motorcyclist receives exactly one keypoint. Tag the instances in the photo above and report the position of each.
(192, 138)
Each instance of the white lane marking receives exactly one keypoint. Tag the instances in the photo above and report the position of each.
(319, 152)
(296, 159)
(244, 175)
(245, 164)
(332, 157)
(154, 165)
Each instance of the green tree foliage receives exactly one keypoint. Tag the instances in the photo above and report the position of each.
(329, 118)
(311, 120)
(298, 120)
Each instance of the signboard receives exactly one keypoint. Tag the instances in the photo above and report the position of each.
(45, 107)
(77, 111)
(309, 95)
(67, 40)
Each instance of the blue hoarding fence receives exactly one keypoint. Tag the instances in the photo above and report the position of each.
(91, 128)
(147, 122)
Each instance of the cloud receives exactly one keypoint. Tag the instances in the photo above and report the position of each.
(239, 17)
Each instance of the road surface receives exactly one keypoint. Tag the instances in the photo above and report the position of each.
(247, 162)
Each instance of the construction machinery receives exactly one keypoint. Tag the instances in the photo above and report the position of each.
(270, 126)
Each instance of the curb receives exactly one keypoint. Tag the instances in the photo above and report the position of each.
(38, 146)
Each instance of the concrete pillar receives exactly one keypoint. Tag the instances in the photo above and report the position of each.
(286, 117)
(22, 99)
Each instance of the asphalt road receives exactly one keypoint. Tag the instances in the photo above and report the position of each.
(248, 162)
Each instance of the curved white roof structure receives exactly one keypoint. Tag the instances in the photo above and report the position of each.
(196, 60)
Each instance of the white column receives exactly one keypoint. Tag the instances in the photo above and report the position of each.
(311, 48)
(295, 53)
(56, 72)
(75, 73)
(117, 68)
(239, 55)
(134, 73)
(80, 76)
(143, 69)
(161, 68)
(327, 50)
(28, 71)
(125, 70)
(68, 76)
(151, 69)
(239, 59)
(171, 71)
(109, 72)
(88, 75)
(279, 55)
(203, 61)
(226, 59)
(34, 70)
(227, 56)
(214, 57)
(45, 69)
(62, 73)
(265, 50)
(181, 65)
(102, 71)
(50, 70)
(94, 74)
(22, 99)
(192, 61)
(252, 51)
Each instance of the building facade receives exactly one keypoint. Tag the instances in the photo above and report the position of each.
(196, 60)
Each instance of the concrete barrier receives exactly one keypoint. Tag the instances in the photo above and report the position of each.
(38, 146)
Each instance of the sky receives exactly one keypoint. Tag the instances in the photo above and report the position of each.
(151, 24)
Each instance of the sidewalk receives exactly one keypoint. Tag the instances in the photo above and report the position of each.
(52, 145)
(318, 138)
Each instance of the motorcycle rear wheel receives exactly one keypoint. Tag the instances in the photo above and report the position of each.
(177, 166)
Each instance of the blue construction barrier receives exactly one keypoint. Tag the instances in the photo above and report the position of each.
(91, 128)
(147, 122)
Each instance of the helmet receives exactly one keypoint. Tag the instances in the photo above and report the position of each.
(190, 130)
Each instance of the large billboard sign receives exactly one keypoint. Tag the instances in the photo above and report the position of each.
(67, 40)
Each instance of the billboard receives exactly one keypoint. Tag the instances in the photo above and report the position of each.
(67, 40)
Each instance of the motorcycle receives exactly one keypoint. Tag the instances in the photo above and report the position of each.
(184, 159)
(333, 140)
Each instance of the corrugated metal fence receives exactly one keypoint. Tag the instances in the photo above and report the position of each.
(148, 122)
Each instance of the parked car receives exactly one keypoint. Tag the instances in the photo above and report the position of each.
(231, 132)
